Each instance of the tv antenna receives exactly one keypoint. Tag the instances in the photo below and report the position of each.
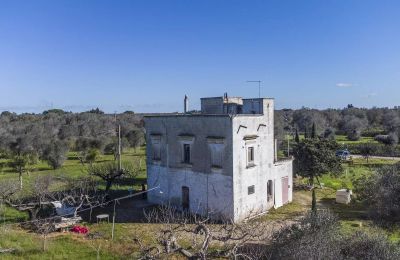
(259, 86)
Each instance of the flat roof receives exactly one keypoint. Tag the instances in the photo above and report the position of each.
(237, 97)
(204, 115)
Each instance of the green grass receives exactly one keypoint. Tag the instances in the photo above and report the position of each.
(71, 246)
(342, 139)
(72, 168)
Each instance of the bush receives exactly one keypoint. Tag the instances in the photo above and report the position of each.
(369, 246)
(354, 135)
(372, 132)
(55, 153)
(390, 139)
(317, 236)
(329, 133)
(381, 193)
(314, 237)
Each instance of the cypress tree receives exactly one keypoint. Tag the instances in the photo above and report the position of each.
(313, 132)
(305, 133)
(296, 137)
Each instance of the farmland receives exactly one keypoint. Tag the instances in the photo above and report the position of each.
(68, 245)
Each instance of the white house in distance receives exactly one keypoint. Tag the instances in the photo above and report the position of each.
(221, 162)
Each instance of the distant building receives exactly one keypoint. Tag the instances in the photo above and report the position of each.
(221, 162)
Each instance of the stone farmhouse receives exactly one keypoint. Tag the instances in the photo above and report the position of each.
(221, 162)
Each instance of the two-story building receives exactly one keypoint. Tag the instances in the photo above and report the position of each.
(221, 162)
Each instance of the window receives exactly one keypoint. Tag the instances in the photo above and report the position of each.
(250, 156)
(250, 190)
(269, 190)
(156, 147)
(156, 152)
(216, 151)
(186, 153)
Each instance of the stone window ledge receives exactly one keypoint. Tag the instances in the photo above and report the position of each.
(251, 166)
(186, 165)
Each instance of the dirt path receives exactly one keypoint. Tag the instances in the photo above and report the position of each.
(376, 157)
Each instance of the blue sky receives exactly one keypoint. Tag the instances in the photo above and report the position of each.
(146, 55)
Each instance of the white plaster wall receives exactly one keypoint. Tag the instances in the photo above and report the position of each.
(263, 127)
(283, 169)
(209, 194)
(266, 168)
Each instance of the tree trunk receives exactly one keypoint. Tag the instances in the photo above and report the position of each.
(108, 185)
(314, 201)
(33, 213)
(314, 196)
(44, 243)
(20, 180)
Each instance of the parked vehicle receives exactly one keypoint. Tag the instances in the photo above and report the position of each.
(343, 154)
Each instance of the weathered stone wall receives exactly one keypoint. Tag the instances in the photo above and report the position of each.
(208, 193)
(256, 131)
(225, 189)
(210, 189)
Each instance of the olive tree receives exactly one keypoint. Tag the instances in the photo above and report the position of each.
(55, 153)
(314, 157)
(381, 193)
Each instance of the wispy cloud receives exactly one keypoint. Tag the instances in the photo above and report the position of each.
(345, 85)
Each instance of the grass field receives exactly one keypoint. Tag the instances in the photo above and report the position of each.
(72, 246)
(72, 168)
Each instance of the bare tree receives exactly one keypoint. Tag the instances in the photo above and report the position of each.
(204, 234)
(77, 194)
(110, 172)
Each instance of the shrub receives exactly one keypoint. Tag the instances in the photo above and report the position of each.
(369, 246)
(381, 192)
(314, 237)
(372, 132)
(390, 139)
(354, 135)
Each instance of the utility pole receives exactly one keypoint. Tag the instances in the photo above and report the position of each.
(119, 142)
(113, 221)
(119, 147)
(259, 86)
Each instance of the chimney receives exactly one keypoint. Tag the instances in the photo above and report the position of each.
(186, 104)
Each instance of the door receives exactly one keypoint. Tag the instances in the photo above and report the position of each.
(185, 198)
(285, 190)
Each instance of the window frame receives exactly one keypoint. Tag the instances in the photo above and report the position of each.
(216, 146)
(250, 156)
(155, 146)
(184, 154)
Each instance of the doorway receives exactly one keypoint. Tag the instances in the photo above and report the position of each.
(185, 198)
